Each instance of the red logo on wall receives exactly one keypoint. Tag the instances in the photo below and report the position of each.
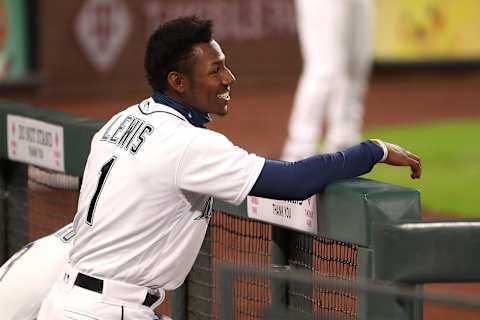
(102, 28)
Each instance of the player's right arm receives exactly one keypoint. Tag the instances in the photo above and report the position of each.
(213, 166)
(302, 179)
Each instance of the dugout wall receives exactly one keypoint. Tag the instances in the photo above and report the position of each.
(353, 240)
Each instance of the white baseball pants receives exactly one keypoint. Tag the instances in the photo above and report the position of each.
(336, 43)
(118, 301)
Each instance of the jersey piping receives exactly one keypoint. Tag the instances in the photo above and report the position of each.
(158, 111)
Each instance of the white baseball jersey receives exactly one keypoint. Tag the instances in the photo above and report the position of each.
(146, 196)
(28, 275)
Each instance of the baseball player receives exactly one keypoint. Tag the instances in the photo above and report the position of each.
(28, 275)
(146, 196)
(336, 44)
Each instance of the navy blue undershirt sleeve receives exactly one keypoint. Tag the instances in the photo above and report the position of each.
(302, 179)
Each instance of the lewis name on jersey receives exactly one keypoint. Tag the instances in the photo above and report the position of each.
(128, 132)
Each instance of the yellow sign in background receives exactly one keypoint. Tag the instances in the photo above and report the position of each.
(427, 30)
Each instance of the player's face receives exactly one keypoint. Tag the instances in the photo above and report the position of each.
(208, 84)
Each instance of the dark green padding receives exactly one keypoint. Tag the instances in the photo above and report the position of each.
(424, 252)
(348, 209)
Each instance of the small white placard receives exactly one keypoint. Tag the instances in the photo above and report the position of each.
(299, 215)
(35, 142)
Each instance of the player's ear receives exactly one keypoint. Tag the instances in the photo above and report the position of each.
(177, 81)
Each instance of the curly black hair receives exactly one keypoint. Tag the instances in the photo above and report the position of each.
(169, 48)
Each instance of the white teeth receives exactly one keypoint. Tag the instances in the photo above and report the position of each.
(224, 96)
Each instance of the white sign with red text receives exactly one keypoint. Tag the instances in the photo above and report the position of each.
(295, 214)
(35, 142)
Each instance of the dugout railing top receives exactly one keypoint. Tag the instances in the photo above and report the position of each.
(369, 227)
(77, 132)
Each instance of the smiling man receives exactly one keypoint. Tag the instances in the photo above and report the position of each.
(146, 197)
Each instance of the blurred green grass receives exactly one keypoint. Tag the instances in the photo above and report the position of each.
(450, 154)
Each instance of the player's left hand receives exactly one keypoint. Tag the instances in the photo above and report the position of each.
(398, 156)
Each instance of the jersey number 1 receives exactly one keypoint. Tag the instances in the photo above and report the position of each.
(101, 182)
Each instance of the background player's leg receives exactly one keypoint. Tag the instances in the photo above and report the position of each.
(30, 275)
(48, 309)
(320, 24)
(346, 113)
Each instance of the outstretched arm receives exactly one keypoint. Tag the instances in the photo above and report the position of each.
(302, 179)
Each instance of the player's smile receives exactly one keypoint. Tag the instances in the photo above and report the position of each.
(224, 96)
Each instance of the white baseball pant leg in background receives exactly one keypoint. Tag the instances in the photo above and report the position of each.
(336, 43)
(27, 276)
